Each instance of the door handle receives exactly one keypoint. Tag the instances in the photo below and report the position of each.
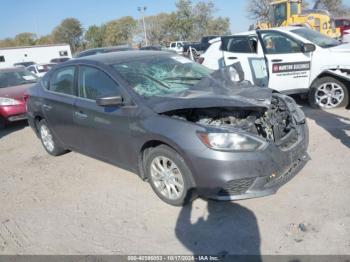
(80, 115)
(47, 107)
(232, 58)
(277, 60)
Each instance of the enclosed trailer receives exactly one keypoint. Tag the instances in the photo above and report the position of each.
(38, 54)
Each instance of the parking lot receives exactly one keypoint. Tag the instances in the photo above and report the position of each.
(77, 205)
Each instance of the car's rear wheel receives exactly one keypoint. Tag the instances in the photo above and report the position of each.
(48, 139)
(328, 93)
(169, 176)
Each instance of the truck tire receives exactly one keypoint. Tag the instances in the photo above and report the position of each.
(328, 93)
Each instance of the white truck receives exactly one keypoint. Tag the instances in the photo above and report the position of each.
(39, 54)
(177, 46)
(291, 60)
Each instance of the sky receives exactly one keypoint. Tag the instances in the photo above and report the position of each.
(41, 16)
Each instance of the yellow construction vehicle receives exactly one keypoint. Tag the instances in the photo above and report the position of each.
(290, 13)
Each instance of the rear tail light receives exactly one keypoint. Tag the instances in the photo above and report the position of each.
(200, 60)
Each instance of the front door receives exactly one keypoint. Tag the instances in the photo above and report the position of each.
(289, 68)
(104, 131)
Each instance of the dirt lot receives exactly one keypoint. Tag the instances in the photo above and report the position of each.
(76, 205)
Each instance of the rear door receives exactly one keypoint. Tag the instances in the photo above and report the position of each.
(289, 68)
(57, 105)
(104, 131)
(246, 50)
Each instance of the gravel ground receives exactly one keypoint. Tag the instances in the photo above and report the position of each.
(76, 205)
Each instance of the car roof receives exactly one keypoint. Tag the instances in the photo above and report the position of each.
(282, 29)
(117, 57)
(107, 48)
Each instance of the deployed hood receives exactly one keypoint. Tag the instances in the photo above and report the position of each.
(225, 88)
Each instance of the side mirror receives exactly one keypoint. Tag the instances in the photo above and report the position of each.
(308, 48)
(110, 101)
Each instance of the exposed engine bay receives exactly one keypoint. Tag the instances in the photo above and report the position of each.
(272, 124)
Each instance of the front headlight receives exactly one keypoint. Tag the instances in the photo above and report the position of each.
(230, 141)
(5, 101)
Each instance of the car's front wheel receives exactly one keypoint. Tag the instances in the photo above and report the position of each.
(328, 93)
(48, 139)
(169, 176)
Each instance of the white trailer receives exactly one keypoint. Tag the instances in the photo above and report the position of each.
(38, 54)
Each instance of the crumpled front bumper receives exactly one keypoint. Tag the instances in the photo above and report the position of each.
(243, 175)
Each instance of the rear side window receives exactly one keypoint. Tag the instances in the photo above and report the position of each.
(93, 84)
(241, 44)
(2, 58)
(62, 81)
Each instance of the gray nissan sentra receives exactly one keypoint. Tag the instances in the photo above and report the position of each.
(186, 130)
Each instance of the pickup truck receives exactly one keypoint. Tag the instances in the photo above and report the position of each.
(198, 47)
(177, 46)
(290, 60)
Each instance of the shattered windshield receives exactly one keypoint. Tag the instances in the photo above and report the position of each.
(163, 75)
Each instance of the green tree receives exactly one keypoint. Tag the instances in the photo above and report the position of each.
(203, 16)
(7, 42)
(45, 40)
(120, 31)
(183, 24)
(95, 36)
(69, 31)
(159, 28)
(25, 39)
(219, 26)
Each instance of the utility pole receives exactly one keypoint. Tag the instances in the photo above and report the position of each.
(142, 11)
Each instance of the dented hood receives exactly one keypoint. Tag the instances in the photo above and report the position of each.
(219, 90)
(253, 97)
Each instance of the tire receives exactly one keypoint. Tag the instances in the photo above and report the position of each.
(48, 140)
(334, 92)
(177, 186)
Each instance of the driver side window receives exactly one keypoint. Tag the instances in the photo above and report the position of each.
(276, 43)
(93, 84)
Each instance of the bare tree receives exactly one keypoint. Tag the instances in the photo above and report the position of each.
(259, 9)
(335, 7)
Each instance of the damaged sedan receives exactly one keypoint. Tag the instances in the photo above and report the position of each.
(185, 129)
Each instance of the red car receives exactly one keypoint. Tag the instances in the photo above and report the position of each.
(344, 25)
(14, 83)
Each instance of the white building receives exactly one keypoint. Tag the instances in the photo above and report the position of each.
(38, 54)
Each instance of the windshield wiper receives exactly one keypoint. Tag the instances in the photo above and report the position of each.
(155, 80)
(183, 78)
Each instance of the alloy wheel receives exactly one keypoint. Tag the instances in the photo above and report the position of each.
(329, 95)
(46, 137)
(167, 178)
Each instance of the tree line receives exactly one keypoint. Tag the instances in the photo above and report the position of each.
(188, 22)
